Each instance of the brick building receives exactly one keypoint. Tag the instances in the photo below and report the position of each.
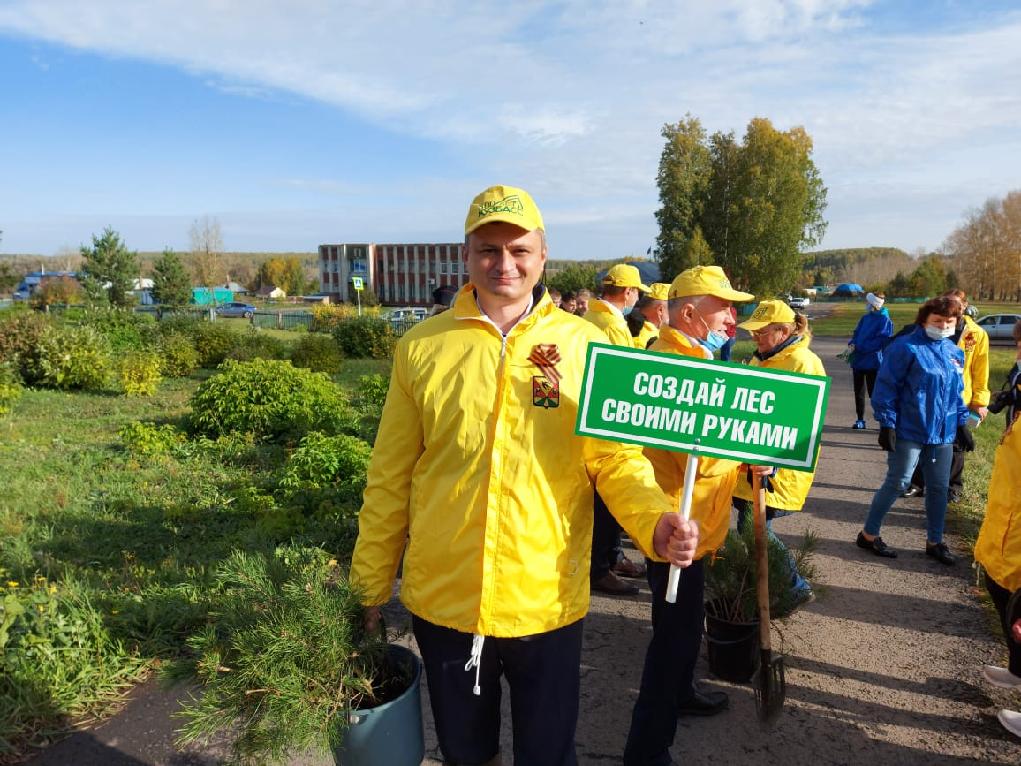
(399, 275)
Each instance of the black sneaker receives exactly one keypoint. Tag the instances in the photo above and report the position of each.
(913, 491)
(954, 496)
(877, 546)
(940, 552)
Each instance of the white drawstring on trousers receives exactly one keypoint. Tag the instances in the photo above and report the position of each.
(475, 661)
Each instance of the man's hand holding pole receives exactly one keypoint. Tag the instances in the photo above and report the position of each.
(676, 539)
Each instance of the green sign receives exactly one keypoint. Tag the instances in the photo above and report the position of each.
(358, 283)
(751, 414)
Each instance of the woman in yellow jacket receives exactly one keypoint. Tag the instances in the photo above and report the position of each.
(782, 340)
(998, 551)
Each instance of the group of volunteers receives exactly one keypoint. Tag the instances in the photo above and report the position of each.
(929, 385)
(505, 519)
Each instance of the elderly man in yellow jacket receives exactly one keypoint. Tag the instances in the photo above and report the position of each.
(699, 306)
(478, 480)
(974, 342)
(651, 315)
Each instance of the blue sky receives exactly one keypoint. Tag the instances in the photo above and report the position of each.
(309, 121)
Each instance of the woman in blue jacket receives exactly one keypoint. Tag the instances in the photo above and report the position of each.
(870, 336)
(917, 401)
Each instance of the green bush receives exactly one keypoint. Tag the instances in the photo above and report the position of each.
(214, 341)
(10, 387)
(368, 404)
(269, 398)
(19, 341)
(178, 357)
(149, 439)
(71, 358)
(256, 345)
(125, 329)
(334, 463)
(365, 337)
(319, 353)
(139, 373)
(289, 629)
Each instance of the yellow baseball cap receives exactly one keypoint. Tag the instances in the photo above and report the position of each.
(623, 275)
(767, 313)
(706, 280)
(659, 291)
(506, 204)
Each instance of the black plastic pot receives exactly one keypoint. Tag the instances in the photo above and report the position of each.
(733, 647)
(390, 734)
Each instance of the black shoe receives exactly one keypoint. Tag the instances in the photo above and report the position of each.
(954, 496)
(704, 703)
(877, 546)
(913, 491)
(940, 552)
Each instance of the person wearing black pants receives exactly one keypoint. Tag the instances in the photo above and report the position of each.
(669, 664)
(864, 380)
(871, 335)
(608, 559)
(543, 673)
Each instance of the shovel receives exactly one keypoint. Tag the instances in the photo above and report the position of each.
(770, 684)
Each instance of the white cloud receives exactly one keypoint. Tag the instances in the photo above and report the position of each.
(569, 98)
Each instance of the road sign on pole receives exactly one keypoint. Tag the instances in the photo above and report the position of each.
(358, 284)
(751, 414)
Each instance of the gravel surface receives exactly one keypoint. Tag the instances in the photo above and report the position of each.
(883, 668)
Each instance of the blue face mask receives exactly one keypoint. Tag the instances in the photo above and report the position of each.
(714, 340)
(626, 310)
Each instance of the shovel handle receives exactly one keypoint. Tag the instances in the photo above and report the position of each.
(690, 469)
(762, 552)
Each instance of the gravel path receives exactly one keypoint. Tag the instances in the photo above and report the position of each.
(883, 668)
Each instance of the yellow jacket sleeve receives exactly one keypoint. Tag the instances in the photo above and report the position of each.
(979, 371)
(625, 480)
(383, 519)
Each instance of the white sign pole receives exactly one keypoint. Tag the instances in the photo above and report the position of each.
(690, 469)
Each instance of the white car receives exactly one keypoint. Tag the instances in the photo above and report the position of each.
(999, 326)
(798, 303)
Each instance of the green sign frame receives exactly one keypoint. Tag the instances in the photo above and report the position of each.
(752, 414)
(358, 283)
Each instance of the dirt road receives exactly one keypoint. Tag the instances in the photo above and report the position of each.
(883, 668)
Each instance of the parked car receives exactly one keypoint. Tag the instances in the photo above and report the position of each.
(236, 309)
(798, 303)
(999, 326)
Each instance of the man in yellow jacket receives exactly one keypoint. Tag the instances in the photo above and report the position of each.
(622, 286)
(478, 480)
(652, 314)
(699, 316)
(974, 342)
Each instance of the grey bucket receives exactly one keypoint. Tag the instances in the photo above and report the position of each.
(391, 734)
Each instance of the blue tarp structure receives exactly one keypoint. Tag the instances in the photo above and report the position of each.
(202, 296)
(849, 288)
(648, 269)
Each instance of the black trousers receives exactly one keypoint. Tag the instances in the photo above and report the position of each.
(956, 471)
(606, 545)
(863, 379)
(1001, 596)
(668, 675)
(543, 672)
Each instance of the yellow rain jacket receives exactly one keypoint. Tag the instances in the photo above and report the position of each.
(974, 341)
(478, 473)
(790, 488)
(714, 484)
(998, 548)
(611, 322)
(648, 332)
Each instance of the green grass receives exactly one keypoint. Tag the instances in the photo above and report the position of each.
(127, 543)
(842, 317)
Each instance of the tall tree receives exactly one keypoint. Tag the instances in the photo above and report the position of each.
(684, 176)
(171, 284)
(758, 203)
(207, 251)
(109, 269)
(8, 278)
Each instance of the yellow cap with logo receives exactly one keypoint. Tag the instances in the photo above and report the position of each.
(767, 313)
(659, 291)
(706, 280)
(503, 204)
(623, 275)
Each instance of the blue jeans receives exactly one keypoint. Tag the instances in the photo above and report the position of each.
(745, 513)
(935, 460)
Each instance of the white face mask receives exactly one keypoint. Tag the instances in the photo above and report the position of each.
(938, 334)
